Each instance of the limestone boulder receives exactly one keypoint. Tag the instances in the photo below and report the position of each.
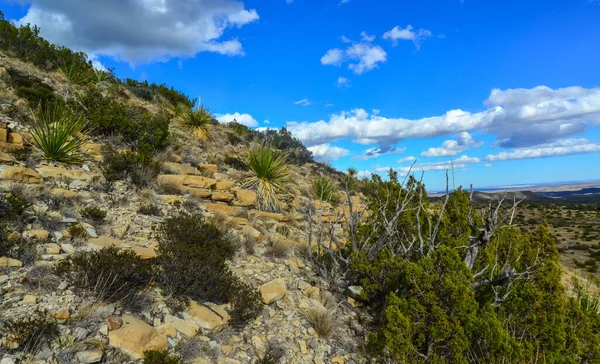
(269, 215)
(207, 316)
(36, 234)
(20, 174)
(6, 262)
(64, 193)
(210, 168)
(273, 291)
(53, 172)
(224, 185)
(178, 168)
(222, 196)
(135, 337)
(246, 198)
(223, 209)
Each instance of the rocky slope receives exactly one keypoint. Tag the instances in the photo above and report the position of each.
(196, 178)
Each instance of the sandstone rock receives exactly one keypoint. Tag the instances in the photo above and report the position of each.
(178, 168)
(63, 173)
(135, 337)
(251, 232)
(6, 158)
(224, 185)
(273, 291)
(64, 193)
(269, 215)
(184, 180)
(145, 253)
(29, 300)
(246, 198)
(210, 168)
(222, 196)
(104, 242)
(20, 174)
(207, 318)
(52, 248)
(186, 328)
(224, 209)
(89, 356)
(13, 236)
(170, 199)
(36, 234)
(63, 314)
(197, 192)
(15, 138)
(92, 148)
(7, 262)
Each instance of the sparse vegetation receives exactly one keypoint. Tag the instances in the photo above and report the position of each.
(160, 357)
(59, 134)
(323, 188)
(94, 213)
(270, 173)
(321, 317)
(149, 209)
(29, 334)
(140, 169)
(199, 121)
(280, 246)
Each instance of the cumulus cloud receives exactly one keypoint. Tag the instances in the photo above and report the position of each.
(303, 102)
(407, 159)
(518, 118)
(378, 152)
(458, 163)
(450, 148)
(361, 56)
(563, 147)
(326, 152)
(244, 119)
(141, 30)
(408, 33)
(488, 165)
(343, 82)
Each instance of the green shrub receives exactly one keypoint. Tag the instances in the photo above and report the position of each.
(149, 92)
(236, 163)
(76, 72)
(141, 170)
(59, 134)
(149, 209)
(199, 121)
(323, 188)
(246, 303)
(160, 357)
(270, 174)
(282, 139)
(30, 334)
(77, 232)
(31, 88)
(13, 203)
(6, 246)
(272, 355)
(109, 274)
(94, 213)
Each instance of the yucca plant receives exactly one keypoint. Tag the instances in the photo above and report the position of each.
(588, 301)
(323, 187)
(75, 72)
(99, 76)
(59, 134)
(270, 173)
(199, 120)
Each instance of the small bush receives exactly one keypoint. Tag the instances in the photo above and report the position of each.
(323, 188)
(282, 139)
(272, 355)
(31, 88)
(29, 334)
(59, 134)
(13, 203)
(283, 230)
(109, 274)
(6, 246)
(320, 314)
(160, 357)
(149, 209)
(94, 213)
(77, 232)
(246, 303)
(149, 92)
(139, 169)
(75, 72)
(280, 247)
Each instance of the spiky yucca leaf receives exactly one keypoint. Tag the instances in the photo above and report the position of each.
(99, 76)
(199, 121)
(323, 187)
(75, 73)
(588, 301)
(270, 173)
(59, 134)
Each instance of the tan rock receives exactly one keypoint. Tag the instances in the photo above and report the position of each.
(273, 291)
(61, 192)
(52, 248)
(187, 328)
(207, 318)
(269, 215)
(197, 192)
(63, 173)
(145, 253)
(89, 356)
(246, 198)
(222, 196)
(92, 148)
(20, 174)
(224, 209)
(5, 157)
(36, 234)
(63, 314)
(178, 168)
(171, 199)
(210, 168)
(3, 134)
(224, 185)
(15, 138)
(29, 299)
(135, 337)
(13, 236)
(104, 241)
(338, 360)
(7, 262)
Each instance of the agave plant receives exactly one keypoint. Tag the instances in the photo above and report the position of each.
(588, 301)
(75, 72)
(270, 173)
(199, 121)
(59, 134)
(323, 187)
(100, 75)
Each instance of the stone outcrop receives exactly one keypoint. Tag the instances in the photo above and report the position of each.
(273, 290)
(63, 173)
(135, 337)
(207, 316)
(178, 168)
(20, 174)
(246, 198)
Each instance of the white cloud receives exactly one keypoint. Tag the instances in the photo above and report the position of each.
(459, 163)
(488, 165)
(345, 39)
(343, 2)
(245, 119)
(303, 102)
(450, 148)
(343, 82)
(361, 56)
(329, 105)
(407, 159)
(266, 122)
(363, 174)
(377, 152)
(333, 57)
(326, 152)
(408, 33)
(141, 30)
(518, 119)
(560, 148)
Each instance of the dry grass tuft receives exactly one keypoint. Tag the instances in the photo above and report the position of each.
(321, 315)
(280, 247)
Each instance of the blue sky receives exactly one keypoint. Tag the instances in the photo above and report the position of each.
(386, 79)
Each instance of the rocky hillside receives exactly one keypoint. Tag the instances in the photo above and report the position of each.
(55, 213)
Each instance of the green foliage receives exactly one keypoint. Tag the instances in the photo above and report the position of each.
(140, 169)
(588, 302)
(160, 357)
(199, 121)
(282, 139)
(77, 232)
(149, 92)
(6, 246)
(94, 213)
(31, 88)
(59, 134)
(272, 355)
(149, 209)
(323, 188)
(270, 174)
(13, 203)
(235, 162)
(109, 274)
(76, 72)
(30, 334)
(186, 238)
